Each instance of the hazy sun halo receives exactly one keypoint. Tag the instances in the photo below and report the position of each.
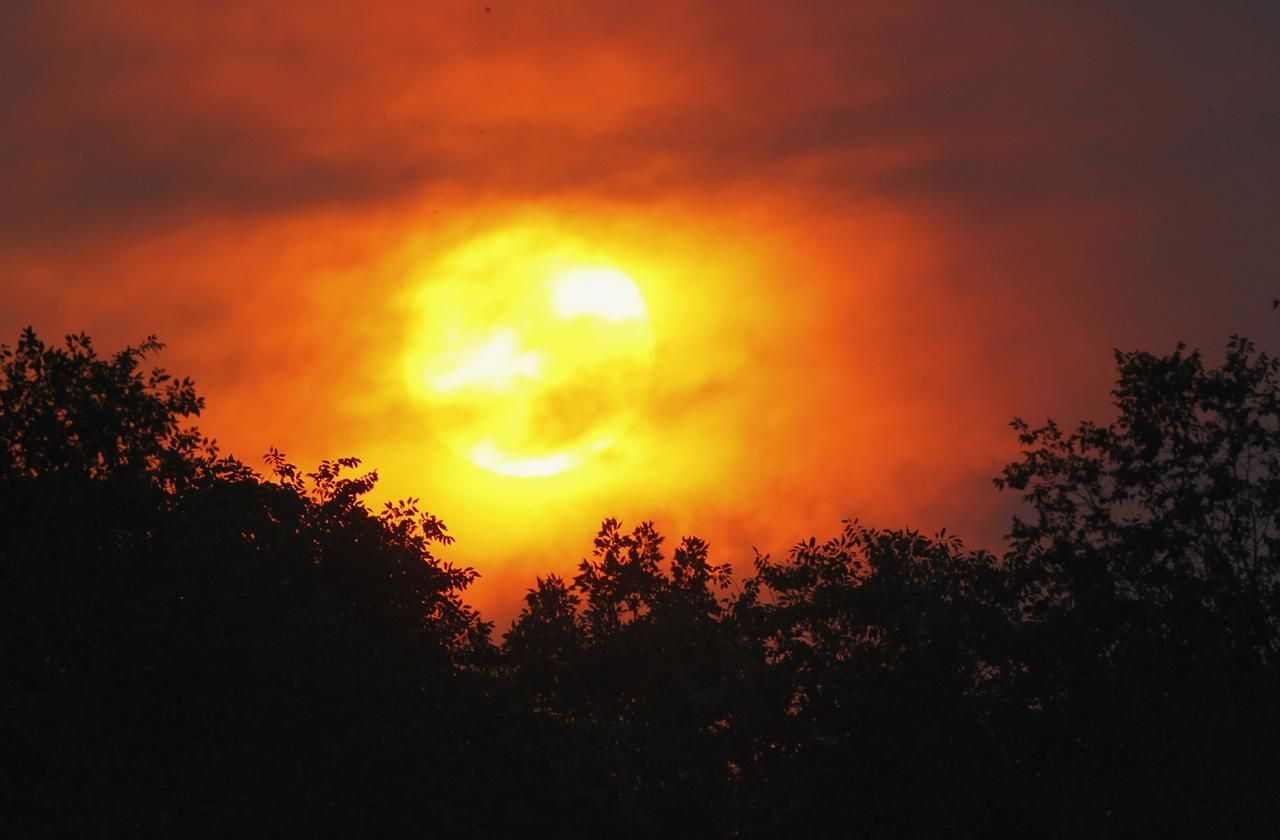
(528, 359)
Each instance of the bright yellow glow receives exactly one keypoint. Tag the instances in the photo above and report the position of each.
(487, 454)
(528, 353)
(604, 292)
(495, 364)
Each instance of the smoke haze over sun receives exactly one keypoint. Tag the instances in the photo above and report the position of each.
(865, 235)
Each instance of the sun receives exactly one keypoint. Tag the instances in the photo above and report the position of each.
(528, 353)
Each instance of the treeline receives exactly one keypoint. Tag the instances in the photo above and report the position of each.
(192, 648)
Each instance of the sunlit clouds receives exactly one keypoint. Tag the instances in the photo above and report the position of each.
(526, 362)
(745, 268)
(601, 292)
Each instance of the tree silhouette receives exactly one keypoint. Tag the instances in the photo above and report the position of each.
(632, 665)
(1148, 579)
(194, 647)
(895, 651)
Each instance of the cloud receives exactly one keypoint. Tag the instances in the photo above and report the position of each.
(134, 113)
(878, 230)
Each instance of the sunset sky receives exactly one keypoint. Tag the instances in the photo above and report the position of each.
(866, 235)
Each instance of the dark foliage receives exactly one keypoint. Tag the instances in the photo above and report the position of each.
(1148, 583)
(194, 648)
(191, 649)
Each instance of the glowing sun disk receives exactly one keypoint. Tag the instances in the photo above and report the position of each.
(603, 292)
(494, 364)
(528, 362)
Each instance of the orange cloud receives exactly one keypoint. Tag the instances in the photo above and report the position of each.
(868, 236)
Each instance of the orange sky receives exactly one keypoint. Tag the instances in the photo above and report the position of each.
(867, 237)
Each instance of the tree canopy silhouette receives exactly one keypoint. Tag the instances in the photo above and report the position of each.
(1147, 580)
(198, 648)
(195, 647)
